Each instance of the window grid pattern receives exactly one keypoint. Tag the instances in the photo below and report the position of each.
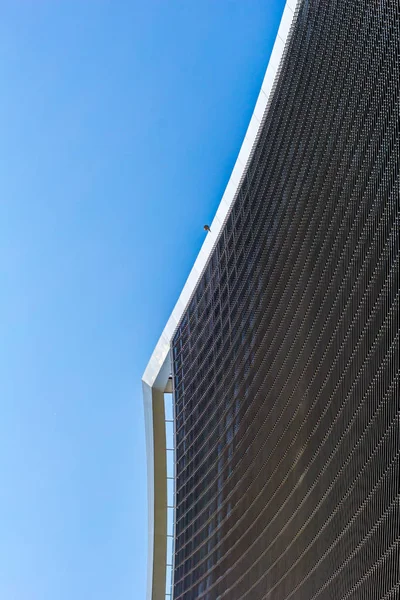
(286, 362)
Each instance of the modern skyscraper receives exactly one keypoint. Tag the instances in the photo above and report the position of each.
(284, 344)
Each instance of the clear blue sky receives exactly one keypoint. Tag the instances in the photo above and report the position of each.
(120, 122)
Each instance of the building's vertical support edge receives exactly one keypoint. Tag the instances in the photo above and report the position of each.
(156, 492)
(160, 496)
(154, 417)
(148, 424)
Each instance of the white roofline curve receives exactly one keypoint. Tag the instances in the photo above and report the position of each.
(161, 350)
(157, 371)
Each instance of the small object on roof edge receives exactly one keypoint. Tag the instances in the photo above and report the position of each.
(207, 228)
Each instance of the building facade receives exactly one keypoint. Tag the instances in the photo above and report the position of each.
(284, 345)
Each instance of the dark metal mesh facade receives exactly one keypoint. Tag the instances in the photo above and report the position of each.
(286, 363)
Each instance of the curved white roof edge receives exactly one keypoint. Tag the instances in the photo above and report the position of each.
(156, 374)
(161, 350)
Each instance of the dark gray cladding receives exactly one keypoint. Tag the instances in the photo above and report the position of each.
(286, 362)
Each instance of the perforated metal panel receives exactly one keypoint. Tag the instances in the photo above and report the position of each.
(286, 363)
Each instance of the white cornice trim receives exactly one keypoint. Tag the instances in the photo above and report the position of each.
(155, 377)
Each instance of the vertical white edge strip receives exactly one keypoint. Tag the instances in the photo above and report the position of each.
(154, 418)
(156, 374)
(148, 423)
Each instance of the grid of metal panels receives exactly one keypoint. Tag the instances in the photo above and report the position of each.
(286, 363)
